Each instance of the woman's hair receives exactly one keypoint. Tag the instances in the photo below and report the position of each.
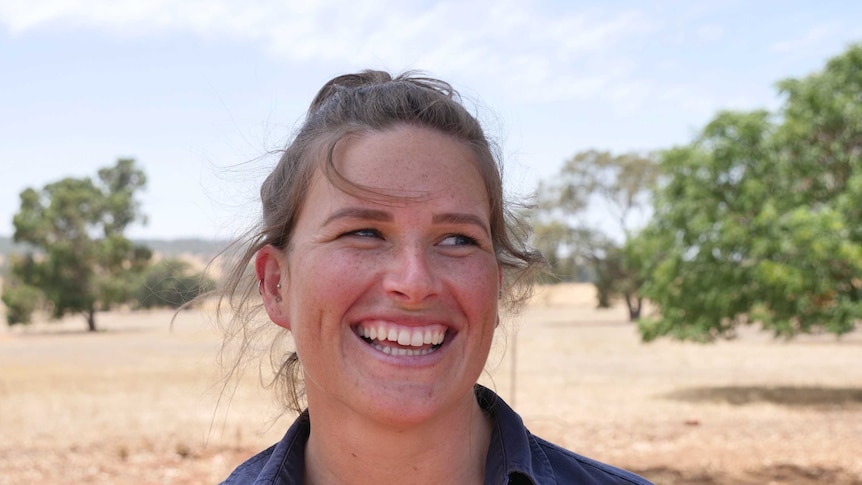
(353, 104)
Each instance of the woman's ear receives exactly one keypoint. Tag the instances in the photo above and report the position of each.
(269, 266)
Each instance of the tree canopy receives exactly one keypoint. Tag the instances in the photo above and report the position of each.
(759, 219)
(171, 283)
(80, 261)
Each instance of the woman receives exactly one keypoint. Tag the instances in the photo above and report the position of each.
(385, 250)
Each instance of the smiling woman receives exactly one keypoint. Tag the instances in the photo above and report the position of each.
(386, 251)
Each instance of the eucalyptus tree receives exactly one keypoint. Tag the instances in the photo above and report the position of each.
(79, 260)
(588, 212)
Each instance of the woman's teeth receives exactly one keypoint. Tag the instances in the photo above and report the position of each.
(378, 336)
(402, 351)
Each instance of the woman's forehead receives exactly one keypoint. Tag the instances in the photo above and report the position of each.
(404, 158)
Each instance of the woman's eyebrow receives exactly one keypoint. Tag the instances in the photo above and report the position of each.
(459, 218)
(359, 213)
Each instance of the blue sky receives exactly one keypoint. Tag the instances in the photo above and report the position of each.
(197, 91)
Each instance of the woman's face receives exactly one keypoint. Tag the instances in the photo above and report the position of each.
(392, 303)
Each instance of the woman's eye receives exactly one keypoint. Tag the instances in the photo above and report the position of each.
(458, 240)
(363, 233)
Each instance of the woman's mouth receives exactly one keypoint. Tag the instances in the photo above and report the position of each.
(399, 340)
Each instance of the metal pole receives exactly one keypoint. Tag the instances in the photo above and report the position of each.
(513, 369)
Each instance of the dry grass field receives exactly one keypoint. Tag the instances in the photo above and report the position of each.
(138, 402)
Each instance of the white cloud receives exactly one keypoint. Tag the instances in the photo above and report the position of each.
(710, 33)
(529, 50)
(812, 39)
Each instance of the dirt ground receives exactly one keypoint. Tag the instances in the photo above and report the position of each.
(138, 403)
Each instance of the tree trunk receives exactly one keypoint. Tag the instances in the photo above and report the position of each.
(91, 319)
(634, 303)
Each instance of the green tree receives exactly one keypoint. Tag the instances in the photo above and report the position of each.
(760, 219)
(171, 283)
(80, 261)
(20, 299)
(593, 182)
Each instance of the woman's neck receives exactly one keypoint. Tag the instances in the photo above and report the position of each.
(344, 449)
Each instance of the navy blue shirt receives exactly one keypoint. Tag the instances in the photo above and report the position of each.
(515, 456)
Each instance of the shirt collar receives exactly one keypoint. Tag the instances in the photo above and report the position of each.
(513, 456)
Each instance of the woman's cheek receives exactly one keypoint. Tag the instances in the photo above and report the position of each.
(478, 277)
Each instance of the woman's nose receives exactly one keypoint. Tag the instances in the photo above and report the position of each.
(411, 276)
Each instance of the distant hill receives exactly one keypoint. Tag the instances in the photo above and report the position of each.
(180, 247)
(169, 248)
(9, 247)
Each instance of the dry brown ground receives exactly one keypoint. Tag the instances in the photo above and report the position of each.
(136, 403)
